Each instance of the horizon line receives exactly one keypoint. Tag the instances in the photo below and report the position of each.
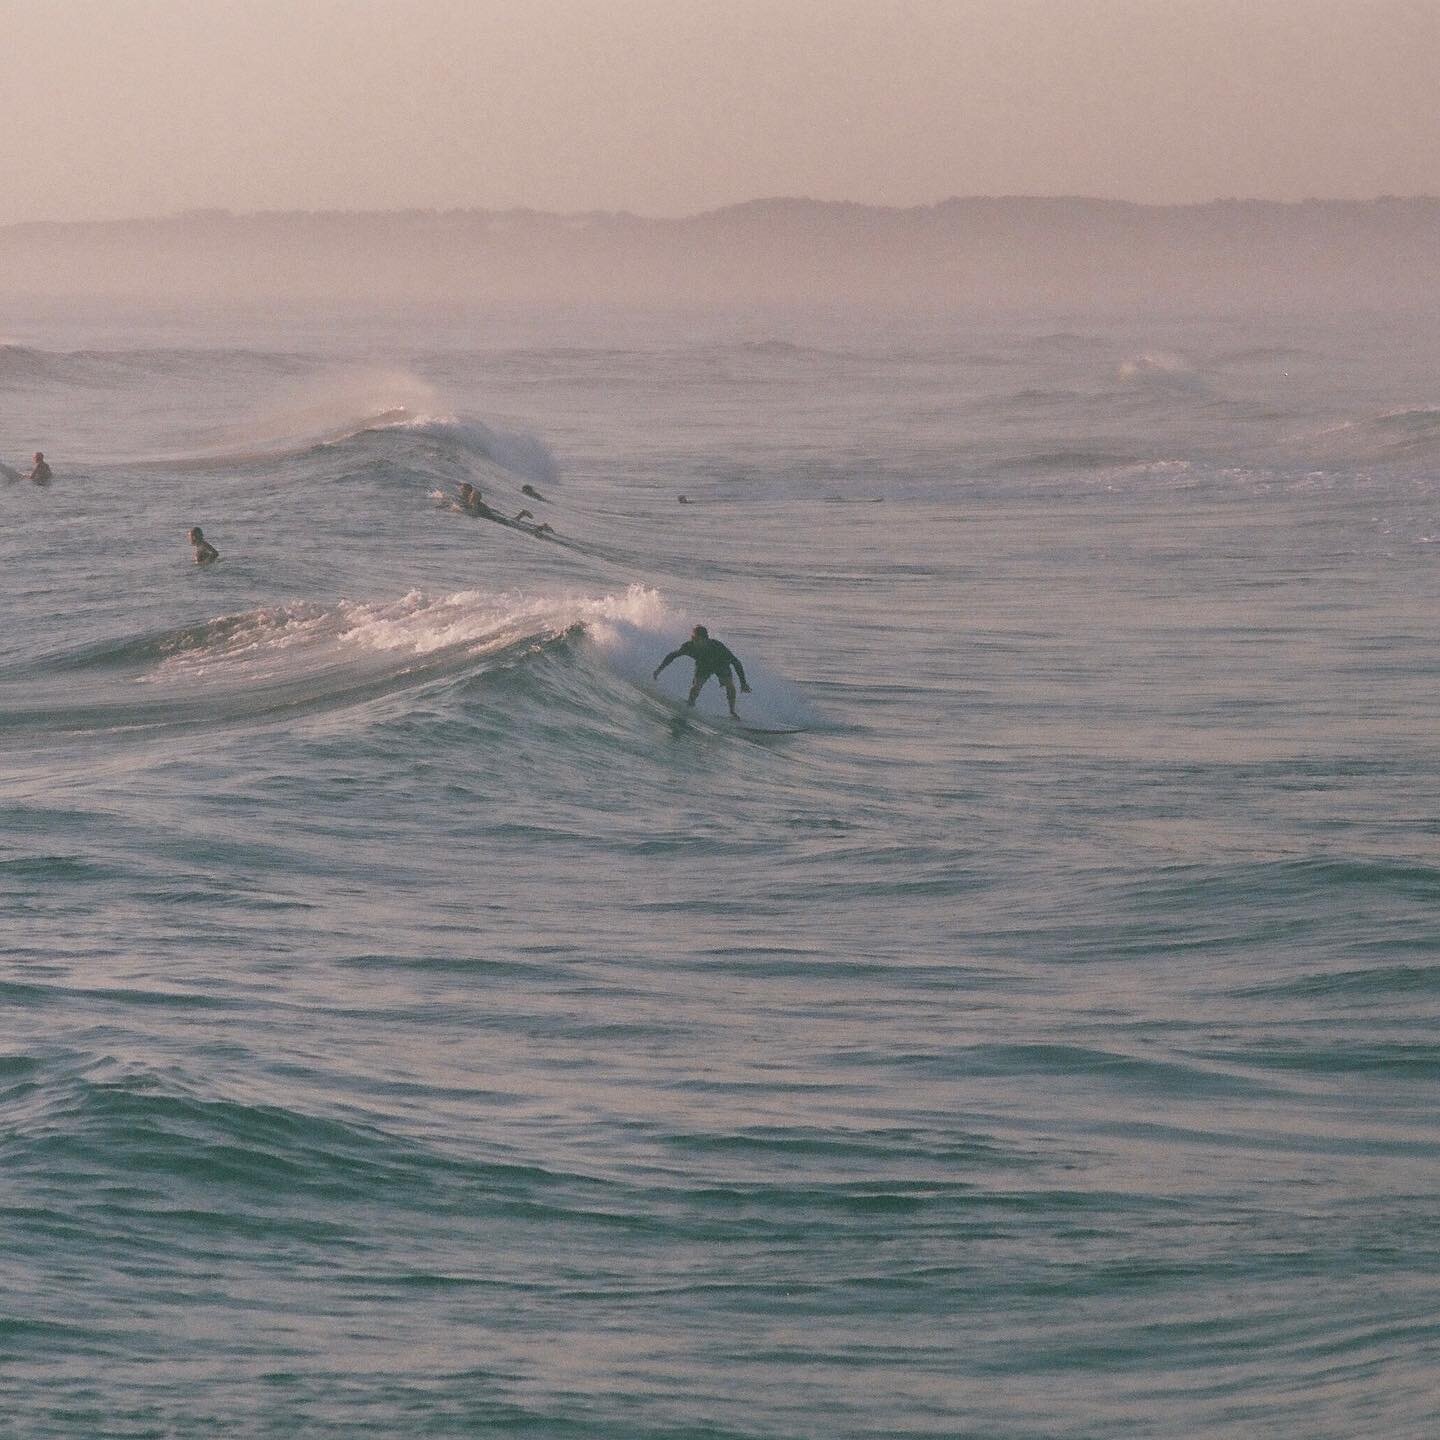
(204, 212)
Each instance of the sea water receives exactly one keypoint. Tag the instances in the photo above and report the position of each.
(412, 1026)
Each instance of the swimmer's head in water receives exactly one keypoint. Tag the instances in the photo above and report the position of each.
(196, 535)
(699, 633)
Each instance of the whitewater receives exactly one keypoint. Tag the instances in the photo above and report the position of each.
(415, 1025)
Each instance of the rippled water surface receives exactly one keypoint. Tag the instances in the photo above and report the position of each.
(415, 1025)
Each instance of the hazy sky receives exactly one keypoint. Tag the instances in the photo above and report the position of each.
(138, 107)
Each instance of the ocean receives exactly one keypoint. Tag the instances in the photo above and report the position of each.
(415, 1025)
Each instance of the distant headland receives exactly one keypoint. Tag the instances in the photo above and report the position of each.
(1001, 251)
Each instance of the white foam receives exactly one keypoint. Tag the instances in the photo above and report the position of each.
(630, 632)
(282, 639)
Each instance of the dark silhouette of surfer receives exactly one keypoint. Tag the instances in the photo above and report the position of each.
(205, 552)
(40, 473)
(711, 659)
(472, 504)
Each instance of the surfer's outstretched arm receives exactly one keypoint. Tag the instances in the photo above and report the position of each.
(673, 655)
(734, 659)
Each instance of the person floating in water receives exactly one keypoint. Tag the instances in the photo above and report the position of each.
(533, 493)
(711, 658)
(40, 473)
(205, 552)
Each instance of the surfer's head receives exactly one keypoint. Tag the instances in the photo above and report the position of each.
(196, 535)
(699, 633)
(39, 456)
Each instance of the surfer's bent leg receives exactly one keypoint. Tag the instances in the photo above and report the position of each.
(729, 685)
(701, 676)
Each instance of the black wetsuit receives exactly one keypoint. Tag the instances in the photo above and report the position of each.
(711, 658)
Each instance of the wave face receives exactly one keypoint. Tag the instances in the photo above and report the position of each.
(419, 1021)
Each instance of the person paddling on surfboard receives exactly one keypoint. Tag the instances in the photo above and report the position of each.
(472, 504)
(711, 658)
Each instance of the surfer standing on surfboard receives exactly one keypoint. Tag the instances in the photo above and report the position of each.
(711, 658)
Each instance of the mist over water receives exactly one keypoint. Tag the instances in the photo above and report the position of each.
(415, 1025)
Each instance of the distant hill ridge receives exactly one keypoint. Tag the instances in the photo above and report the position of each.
(1009, 250)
